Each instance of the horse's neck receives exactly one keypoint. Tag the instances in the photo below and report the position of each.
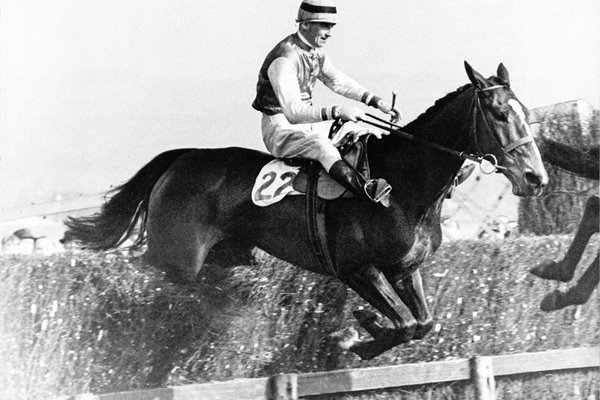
(448, 126)
(424, 171)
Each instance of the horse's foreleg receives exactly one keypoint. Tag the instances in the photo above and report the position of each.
(575, 295)
(372, 285)
(565, 269)
(410, 290)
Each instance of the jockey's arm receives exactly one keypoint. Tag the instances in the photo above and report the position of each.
(284, 79)
(341, 83)
(345, 86)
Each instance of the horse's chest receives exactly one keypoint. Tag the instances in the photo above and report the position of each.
(427, 240)
(427, 237)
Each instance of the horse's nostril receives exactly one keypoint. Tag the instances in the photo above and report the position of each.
(532, 179)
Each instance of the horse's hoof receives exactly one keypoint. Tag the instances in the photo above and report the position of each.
(346, 338)
(551, 270)
(422, 330)
(365, 316)
(365, 351)
(369, 321)
(551, 302)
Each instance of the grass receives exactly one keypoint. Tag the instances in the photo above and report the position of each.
(87, 322)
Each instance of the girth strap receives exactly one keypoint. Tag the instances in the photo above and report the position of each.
(315, 218)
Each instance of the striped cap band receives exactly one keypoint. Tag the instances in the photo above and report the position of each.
(317, 9)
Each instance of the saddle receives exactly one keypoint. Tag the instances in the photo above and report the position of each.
(289, 176)
(354, 153)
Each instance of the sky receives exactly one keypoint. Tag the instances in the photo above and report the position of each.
(92, 90)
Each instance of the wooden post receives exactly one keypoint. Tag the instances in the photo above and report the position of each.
(283, 387)
(482, 375)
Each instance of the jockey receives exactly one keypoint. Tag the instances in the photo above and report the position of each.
(284, 96)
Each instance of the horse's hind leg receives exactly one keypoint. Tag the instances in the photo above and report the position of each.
(575, 295)
(372, 285)
(565, 269)
(181, 256)
(231, 252)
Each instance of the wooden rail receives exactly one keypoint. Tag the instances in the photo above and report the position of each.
(479, 370)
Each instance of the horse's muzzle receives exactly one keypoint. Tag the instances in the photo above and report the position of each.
(531, 183)
(536, 181)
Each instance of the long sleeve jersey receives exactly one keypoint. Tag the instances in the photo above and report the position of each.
(287, 78)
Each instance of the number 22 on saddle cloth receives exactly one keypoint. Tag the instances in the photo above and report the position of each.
(279, 178)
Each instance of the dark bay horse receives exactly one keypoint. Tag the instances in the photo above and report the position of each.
(195, 208)
(586, 165)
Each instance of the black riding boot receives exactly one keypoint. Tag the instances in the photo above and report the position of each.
(376, 190)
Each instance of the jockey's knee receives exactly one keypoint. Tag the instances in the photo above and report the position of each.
(329, 158)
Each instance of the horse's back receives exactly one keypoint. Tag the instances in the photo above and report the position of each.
(211, 173)
(211, 161)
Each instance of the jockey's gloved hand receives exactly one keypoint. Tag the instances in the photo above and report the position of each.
(387, 109)
(345, 113)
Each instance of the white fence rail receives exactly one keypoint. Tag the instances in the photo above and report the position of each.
(481, 371)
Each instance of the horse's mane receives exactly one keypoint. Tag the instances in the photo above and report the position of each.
(439, 104)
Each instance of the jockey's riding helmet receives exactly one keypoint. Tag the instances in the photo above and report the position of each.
(317, 11)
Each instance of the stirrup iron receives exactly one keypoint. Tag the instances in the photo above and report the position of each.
(382, 191)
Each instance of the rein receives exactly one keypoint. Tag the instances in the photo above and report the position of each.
(479, 157)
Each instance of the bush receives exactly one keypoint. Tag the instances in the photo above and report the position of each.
(86, 322)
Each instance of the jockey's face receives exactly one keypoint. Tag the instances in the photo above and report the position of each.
(316, 33)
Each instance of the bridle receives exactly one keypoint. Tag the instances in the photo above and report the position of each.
(479, 157)
(504, 151)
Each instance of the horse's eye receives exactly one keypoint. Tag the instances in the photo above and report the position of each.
(503, 116)
(501, 113)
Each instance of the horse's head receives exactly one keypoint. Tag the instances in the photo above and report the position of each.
(500, 129)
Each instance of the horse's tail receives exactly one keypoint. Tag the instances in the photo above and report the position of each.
(128, 205)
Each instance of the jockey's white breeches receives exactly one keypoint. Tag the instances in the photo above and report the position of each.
(285, 140)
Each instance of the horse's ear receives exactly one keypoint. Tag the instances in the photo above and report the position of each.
(502, 73)
(475, 77)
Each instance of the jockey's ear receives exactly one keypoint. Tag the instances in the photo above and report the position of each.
(502, 73)
(475, 77)
(303, 26)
